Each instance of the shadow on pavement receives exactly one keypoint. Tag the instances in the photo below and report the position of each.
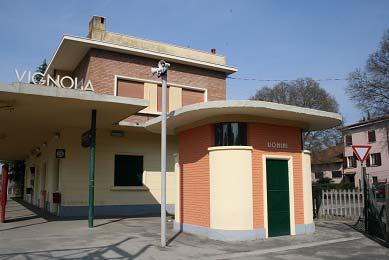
(82, 252)
(361, 230)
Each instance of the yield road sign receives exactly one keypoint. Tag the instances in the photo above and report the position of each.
(361, 151)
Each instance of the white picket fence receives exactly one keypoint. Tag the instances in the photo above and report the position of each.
(341, 203)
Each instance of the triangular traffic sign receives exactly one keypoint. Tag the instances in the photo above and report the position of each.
(361, 151)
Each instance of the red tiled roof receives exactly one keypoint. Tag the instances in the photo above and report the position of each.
(330, 155)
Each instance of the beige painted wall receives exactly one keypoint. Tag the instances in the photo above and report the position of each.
(231, 197)
(307, 187)
(150, 94)
(46, 172)
(177, 208)
(74, 169)
(163, 48)
(175, 98)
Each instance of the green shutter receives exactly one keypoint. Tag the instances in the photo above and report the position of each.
(278, 213)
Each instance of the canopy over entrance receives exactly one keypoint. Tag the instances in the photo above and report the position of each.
(245, 110)
(31, 113)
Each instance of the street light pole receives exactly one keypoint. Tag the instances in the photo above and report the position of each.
(161, 72)
(365, 201)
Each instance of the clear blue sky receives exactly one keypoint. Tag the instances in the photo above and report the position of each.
(264, 39)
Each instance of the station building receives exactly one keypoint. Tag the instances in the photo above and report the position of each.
(236, 168)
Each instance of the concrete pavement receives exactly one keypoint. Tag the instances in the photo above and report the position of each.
(27, 235)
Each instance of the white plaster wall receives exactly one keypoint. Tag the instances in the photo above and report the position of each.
(360, 137)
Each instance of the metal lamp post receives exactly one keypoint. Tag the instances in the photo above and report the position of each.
(161, 72)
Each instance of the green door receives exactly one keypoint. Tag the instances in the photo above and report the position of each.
(278, 215)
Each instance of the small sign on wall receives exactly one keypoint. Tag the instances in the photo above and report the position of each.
(86, 138)
(277, 145)
(60, 153)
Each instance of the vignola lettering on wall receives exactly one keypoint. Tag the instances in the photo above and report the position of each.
(64, 82)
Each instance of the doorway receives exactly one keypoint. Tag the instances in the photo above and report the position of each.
(278, 202)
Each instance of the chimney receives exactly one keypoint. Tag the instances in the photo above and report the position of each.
(213, 51)
(97, 28)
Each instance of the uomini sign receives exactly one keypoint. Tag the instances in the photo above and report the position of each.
(60, 82)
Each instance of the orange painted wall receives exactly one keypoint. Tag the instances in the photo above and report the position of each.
(257, 136)
(194, 182)
(194, 166)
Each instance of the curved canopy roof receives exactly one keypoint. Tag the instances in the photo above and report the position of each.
(248, 111)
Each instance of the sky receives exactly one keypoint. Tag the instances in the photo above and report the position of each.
(263, 39)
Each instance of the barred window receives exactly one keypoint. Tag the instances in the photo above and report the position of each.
(230, 134)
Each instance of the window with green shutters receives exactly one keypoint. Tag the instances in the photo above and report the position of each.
(128, 170)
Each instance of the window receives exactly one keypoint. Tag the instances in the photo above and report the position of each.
(351, 161)
(319, 175)
(349, 140)
(375, 159)
(128, 170)
(190, 96)
(371, 136)
(229, 134)
(129, 88)
(159, 98)
(336, 174)
(345, 164)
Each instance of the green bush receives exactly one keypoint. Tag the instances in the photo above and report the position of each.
(337, 186)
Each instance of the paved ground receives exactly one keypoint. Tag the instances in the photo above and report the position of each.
(27, 235)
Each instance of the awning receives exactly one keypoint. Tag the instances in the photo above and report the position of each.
(30, 113)
(245, 110)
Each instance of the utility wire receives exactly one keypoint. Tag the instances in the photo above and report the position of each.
(280, 80)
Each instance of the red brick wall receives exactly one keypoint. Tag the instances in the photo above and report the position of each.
(194, 182)
(81, 71)
(257, 136)
(103, 65)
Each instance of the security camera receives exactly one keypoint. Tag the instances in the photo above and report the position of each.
(163, 66)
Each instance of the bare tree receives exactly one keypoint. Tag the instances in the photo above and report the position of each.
(369, 88)
(305, 93)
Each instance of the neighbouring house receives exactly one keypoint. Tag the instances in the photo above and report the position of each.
(328, 163)
(374, 132)
(236, 169)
